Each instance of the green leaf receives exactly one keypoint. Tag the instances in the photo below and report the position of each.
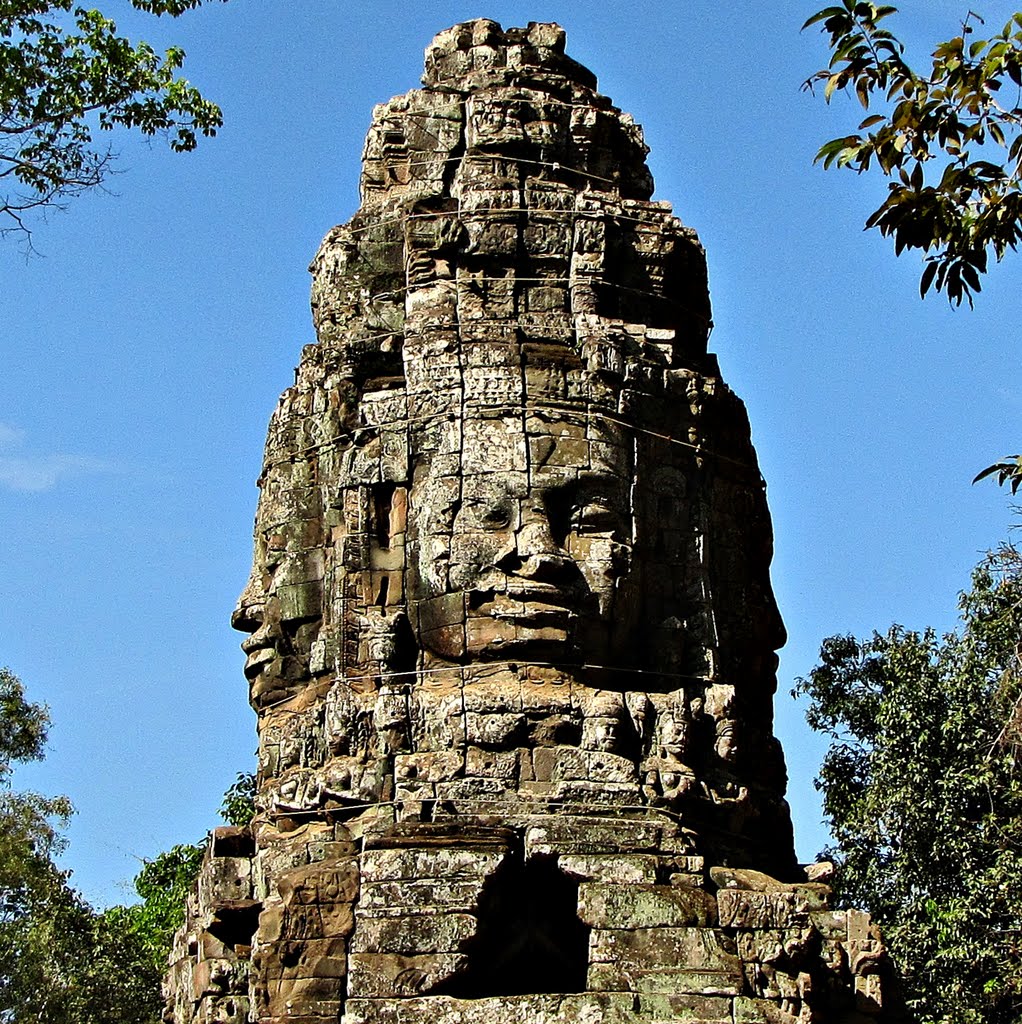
(862, 90)
(827, 12)
(927, 279)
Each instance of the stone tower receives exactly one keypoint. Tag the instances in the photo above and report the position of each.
(513, 638)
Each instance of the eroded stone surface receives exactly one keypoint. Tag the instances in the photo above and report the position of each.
(511, 627)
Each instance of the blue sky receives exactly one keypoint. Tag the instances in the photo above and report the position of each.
(145, 347)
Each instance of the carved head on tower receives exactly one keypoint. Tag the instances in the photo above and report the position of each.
(509, 451)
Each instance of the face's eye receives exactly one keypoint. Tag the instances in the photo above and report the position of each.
(496, 519)
(487, 514)
(598, 517)
(559, 507)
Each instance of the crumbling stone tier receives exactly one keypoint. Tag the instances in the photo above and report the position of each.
(513, 637)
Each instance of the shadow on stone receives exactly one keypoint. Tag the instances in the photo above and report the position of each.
(530, 939)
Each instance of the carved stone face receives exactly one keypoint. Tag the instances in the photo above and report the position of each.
(281, 605)
(519, 545)
(526, 552)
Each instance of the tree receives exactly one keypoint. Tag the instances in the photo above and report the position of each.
(922, 791)
(947, 139)
(165, 882)
(65, 74)
(59, 963)
(28, 838)
(949, 142)
(1008, 471)
(163, 885)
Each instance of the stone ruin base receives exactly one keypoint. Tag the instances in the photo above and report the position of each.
(579, 918)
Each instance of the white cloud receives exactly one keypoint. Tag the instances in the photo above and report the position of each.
(32, 473)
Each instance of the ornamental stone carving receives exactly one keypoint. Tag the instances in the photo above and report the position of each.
(511, 630)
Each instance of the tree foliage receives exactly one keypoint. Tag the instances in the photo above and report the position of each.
(1008, 471)
(923, 794)
(949, 138)
(238, 807)
(59, 962)
(164, 883)
(65, 75)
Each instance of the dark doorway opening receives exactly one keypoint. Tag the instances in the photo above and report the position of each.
(530, 939)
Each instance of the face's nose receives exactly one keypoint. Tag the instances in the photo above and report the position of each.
(250, 611)
(252, 616)
(533, 553)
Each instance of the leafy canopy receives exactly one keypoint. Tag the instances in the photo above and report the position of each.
(1008, 471)
(165, 882)
(950, 139)
(60, 961)
(923, 794)
(66, 74)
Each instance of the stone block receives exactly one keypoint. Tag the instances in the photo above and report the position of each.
(614, 868)
(645, 906)
(742, 908)
(390, 975)
(861, 928)
(230, 1009)
(394, 899)
(831, 924)
(336, 919)
(686, 879)
(686, 959)
(324, 883)
(760, 945)
(610, 794)
(470, 790)
(580, 1008)
(225, 879)
(394, 864)
(660, 980)
(318, 958)
(761, 1011)
(807, 895)
(213, 976)
(585, 835)
(495, 764)
(593, 766)
(415, 933)
(271, 920)
(685, 1009)
(330, 849)
(316, 996)
(492, 731)
(430, 766)
(869, 993)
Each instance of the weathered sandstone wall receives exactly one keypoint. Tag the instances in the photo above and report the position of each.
(512, 630)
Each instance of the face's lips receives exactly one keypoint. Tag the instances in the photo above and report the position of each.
(529, 609)
(533, 592)
(258, 660)
(535, 615)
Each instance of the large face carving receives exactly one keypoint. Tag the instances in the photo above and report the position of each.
(281, 606)
(514, 539)
(527, 552)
